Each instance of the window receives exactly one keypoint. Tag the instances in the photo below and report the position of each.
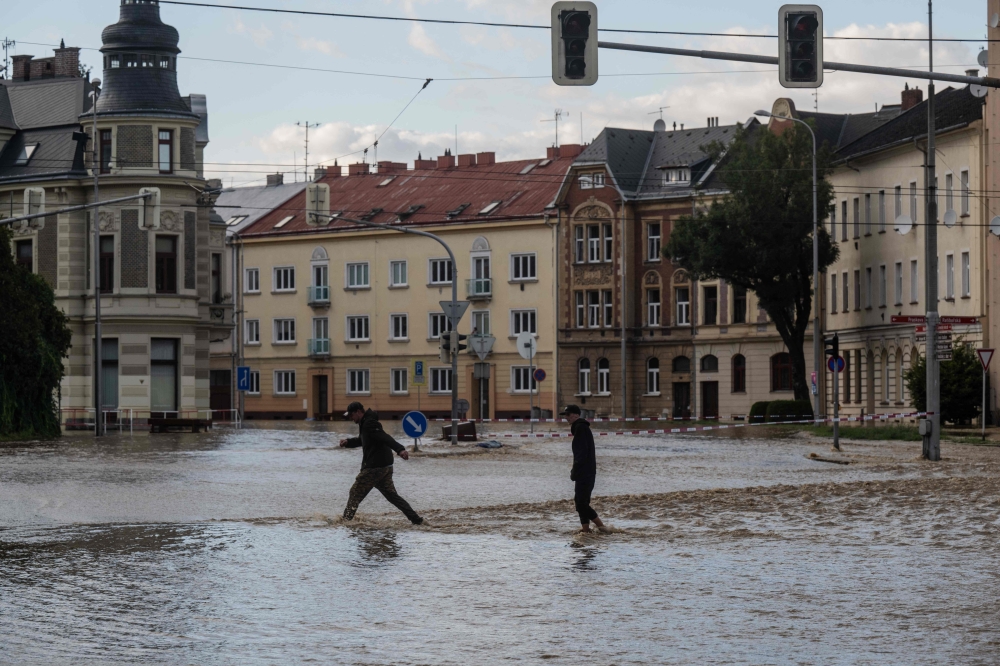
(856, 209)
(166, 265)
(739, 305)
(578, 253)
(216, 277)
(399, 381)
(881, 286)
(897, 201)
(682, 364)
(949, 276)
(521, 321)
(107, 264)
(581, 310)
(964, 180)
(437, 324)
(397, 327)
(593, 243)
(105, 156)
(440, 271)
(357, 381)
(586, 181)
(949, 192)
(284, 278)
(397, 274)
(846, 295)
(682, 299)
(833, 222)
(251, 282)
(283, 221)
(868, 214)
(357, 275)
(603, 376)
(652, 307)
(115, 62)
(166, 150)
(440, 380)
(966, 276)
(25, 155)
(254, 388)
(608, 309)
(521, 380)
(252, 336)
(481, 322)
(709, 363)
(913, 201)
(583, 376)
(653, 376)
(321, 275)
(598, 179)
(147, 60)
(284, 331)
(898, 283)
(914, 284)
(833, 294)
(284, 382)
(164, 62)
(490, 207)
(676, 176)
(739, 373)
(357, 328)
(608, 241)
(857, 288)
(522, 267)
(869, 287)
(881, 211)
(593, 309)
(711, 305)
(653, 241)
(130, 60)
(843, 220)
(781, 372)
(25, 255)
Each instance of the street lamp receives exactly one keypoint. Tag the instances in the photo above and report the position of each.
(95, 218)
(816, 335)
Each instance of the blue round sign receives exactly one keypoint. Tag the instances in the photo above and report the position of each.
(415, 424)
(539, 375)
(836, 364)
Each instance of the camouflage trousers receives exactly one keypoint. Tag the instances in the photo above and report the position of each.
(379, 478)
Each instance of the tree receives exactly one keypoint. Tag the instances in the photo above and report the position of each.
(759, 236)
(961, 384)
(34, 342)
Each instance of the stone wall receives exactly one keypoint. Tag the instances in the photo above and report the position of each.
(134, 252)
(190, 249)
(187, 149)
(48, 251)
(135, 146)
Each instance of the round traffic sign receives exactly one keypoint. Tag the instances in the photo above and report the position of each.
(414, 424)
(836, 364)
(539, 375)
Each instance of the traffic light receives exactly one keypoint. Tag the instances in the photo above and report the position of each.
(800, 52)
(456, 342)
(574, 43)
(445, 349)
(832, 346)
(149, 214)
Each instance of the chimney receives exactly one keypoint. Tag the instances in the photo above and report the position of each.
(911, 97)
(334, 171)
(424, 164)
(468, 160)
(42, 68)
(570, 150)
(386, 166)
(552, 153)
(275, 179)
(359, 169)
(972, 72)
(67, 61)
(320, 172)
(22, 67)
(486, 159)
(446, 161)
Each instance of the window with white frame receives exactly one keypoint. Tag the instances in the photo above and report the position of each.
(913, 201)
(593, 309)
(682, 301)
(522, 321)
(869, 286)
(868, 214)
(583, 376)
(676, 176)
(881, 210)
(357, 381)
(652, 307)
(481, 322)
(857, 288)
(846, 294)
(252, 281)
(833, 294)
(593, 243)
(914, 283)
(284, 382)
(653, 241)
(608, 241)
(949, 192)
(897, 283)
(254, 388)
(608, 309)
(440, 271)
(653, 376)
(843, 221)
(357, 328)
(252, 332)
(856, 209)
(598, 180)
(581, 310)
(357, 275)
(579, 245)
(437, 323)
(284, 278)
(522, 267)
(833, 222)
(603, 376)
(521, 379)
(397, 274)
(398, 327)
(897, 196)
(586, 181)
(966, 275)
(399, 381)
(440, 380)
(949, 276)
(284, 331)
(964, 180)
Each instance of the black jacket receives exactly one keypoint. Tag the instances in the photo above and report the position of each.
(377, 446)
(584, 458)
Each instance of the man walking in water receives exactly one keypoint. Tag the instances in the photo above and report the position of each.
(376, 462)
(584, 471)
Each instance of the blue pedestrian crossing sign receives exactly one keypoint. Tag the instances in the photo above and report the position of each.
(243, 378)
(414, 424)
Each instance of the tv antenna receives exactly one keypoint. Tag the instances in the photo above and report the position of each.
(6, 44)
(305, 167)
(659, 111)
(555, 119)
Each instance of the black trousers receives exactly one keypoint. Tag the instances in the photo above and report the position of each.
(584, 487)
(381, 479)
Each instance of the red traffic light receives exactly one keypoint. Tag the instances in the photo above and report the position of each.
(802, 26)
(576, 24)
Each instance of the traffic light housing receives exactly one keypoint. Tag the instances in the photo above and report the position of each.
(574, 43)
(456, 342)
(832, 346)
(149, 214)
(800, 54)
(445, 348)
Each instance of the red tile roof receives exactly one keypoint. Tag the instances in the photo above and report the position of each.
(434, 191)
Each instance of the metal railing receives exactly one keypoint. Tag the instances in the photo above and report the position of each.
(319, 346)
(479, 288)
(319, 295)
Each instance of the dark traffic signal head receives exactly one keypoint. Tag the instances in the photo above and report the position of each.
(574, 43)
(575, 30)
(832, 346)
(801, 48)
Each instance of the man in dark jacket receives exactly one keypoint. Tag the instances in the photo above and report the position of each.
(584, 471)
(377, 448)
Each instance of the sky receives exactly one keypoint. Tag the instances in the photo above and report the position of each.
(254, 108)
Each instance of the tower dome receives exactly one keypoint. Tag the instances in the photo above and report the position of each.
(140, 62)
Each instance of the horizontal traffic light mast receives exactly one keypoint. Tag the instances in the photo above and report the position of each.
(70, 209)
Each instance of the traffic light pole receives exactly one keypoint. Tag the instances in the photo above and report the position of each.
(932, 439)
(836, 405)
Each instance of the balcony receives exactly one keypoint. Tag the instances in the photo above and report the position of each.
(319, 347)
(479, 289)
(319, 296)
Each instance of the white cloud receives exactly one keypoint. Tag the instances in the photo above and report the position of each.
(325, 47)
(421, 41)
(260, 36)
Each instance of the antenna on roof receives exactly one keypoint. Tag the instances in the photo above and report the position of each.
(7, 44)
(558, 114)
(305, 167)
(816, 100)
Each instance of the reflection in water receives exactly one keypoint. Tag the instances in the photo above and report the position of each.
(583, 557)
(377, 547)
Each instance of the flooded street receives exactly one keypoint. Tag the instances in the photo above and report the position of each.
(227, 548)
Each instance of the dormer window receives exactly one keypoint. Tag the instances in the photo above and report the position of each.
(591, 181)
(25, 155)
(676, 176)
(164, 62)
(131, 60)
(147, 61)
(115, 62)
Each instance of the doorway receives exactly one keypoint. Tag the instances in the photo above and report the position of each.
(163, 378)
(220, 390)
(322, 395)
(710, 400)
(682, 400)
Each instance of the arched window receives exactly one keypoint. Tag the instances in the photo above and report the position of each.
(584, 376)
(709, 363)
(739, 373)
(885, 377)
(653, 375)
(603, 376)
(682, 364)
(781, 372)
(899, 375)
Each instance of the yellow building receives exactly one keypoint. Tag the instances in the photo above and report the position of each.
(334, 311)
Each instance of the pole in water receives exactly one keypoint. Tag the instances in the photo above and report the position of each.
(836, 408)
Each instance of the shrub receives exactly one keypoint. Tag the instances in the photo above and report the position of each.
(961, 384)
(788, 410)
(758, 412)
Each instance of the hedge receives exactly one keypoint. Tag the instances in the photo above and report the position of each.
(758, 412)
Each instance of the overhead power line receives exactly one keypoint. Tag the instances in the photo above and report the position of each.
(491, 24)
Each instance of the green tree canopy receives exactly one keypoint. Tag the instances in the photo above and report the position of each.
(961, 384)
(759, 236)
(34, 342)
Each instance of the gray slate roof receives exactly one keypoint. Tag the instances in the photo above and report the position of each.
(48, 104)
(839, 129)
(6, 113)
(57, 153)
(254, 202)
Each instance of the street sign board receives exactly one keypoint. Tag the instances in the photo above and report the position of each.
(836, 364)
(482, 345)
(462, 405)
(539, 375)
(527, 346)
(906, 319)
(965, 321)
(243, 378)
(417, 375)
(414, 424)
(454, 309)
(940, 328)
(985, 356)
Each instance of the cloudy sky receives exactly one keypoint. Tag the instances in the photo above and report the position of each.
(265, 72)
